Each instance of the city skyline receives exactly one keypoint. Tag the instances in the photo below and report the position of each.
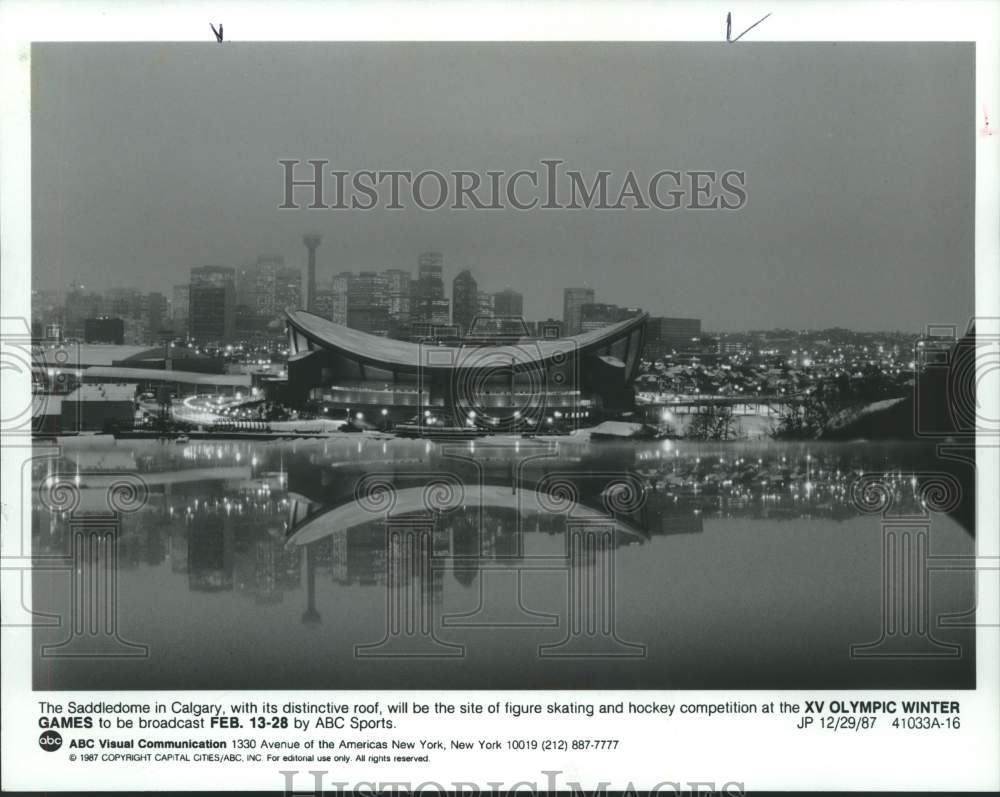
(850, 221)
(261, 293)
(325, 279)
(51, 305)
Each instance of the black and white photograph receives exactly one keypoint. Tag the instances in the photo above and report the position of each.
(436, 365)
(572, 370)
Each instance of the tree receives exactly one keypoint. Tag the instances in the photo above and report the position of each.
(713, 422)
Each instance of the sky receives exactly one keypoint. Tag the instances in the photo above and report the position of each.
(149, 159)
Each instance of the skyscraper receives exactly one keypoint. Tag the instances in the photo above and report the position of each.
(399, 293)
(341, 287)
(212, 313)
(267, 287)
(368, 303)
(287, 289)
(428, 304)
(573, 300)
(326, 302)
(464, 300)
(180, 308)
(430, 270)
(508, 302)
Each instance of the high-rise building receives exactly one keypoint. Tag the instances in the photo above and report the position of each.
(255, 286)
(573, 300)
(80, 305)
(326, 300)
(212, 306)
(664, 335)
(484, 304)
(368, 289)
(369, 301)
(246, 289)
(156, 316)
(123, 302)
(430, 274)
(341, 287)
(508, 302)
(595, 315)
(136, 333)
(268, 287)
(142, 313)
(287, 289)
(427, 304)
(181, 306)
(436, 312)
(464, 300)
(372, 318)
(399, 293)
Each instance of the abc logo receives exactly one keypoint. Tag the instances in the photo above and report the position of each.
(50, 741)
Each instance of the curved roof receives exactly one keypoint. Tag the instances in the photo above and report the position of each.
(414, 500)
(403, 354)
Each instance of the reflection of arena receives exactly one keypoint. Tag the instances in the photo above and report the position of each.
(233, 517)
(576, 380)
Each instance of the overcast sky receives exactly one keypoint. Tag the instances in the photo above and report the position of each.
(150, 159)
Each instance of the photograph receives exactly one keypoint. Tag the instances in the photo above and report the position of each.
(506, 365)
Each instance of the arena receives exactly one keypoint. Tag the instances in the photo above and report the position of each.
(532, 384)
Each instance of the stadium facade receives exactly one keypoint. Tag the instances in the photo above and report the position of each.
(527, 385)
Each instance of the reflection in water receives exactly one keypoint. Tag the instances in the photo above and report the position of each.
(560, 559)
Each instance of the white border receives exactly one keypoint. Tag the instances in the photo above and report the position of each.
(722, 752)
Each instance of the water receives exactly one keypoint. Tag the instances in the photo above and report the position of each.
(366, 563)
